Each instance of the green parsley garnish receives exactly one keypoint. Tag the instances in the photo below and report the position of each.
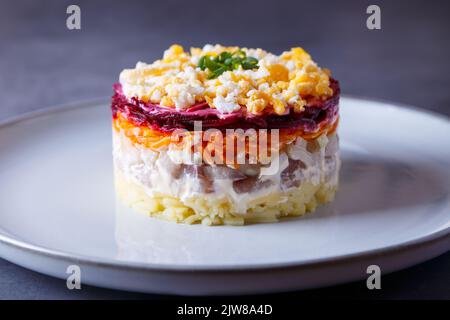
(226, 61)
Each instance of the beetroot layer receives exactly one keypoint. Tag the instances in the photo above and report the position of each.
(316, 114)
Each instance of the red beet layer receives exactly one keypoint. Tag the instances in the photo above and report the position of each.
(317, 112)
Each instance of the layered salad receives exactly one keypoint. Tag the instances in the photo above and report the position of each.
(226, 135)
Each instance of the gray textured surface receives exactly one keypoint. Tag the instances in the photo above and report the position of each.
(42, 64)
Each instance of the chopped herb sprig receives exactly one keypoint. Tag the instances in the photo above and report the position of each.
(226, 61)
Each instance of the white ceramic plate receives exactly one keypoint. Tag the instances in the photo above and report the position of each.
(57, 208)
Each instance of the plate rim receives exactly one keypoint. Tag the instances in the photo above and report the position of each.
(15, 243)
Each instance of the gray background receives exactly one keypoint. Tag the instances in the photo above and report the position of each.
(42, 64)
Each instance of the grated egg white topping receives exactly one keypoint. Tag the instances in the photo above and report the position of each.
(279, 83)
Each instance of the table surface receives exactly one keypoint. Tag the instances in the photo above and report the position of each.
(42, 63)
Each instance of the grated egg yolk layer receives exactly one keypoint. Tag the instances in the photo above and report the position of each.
(279, 83)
